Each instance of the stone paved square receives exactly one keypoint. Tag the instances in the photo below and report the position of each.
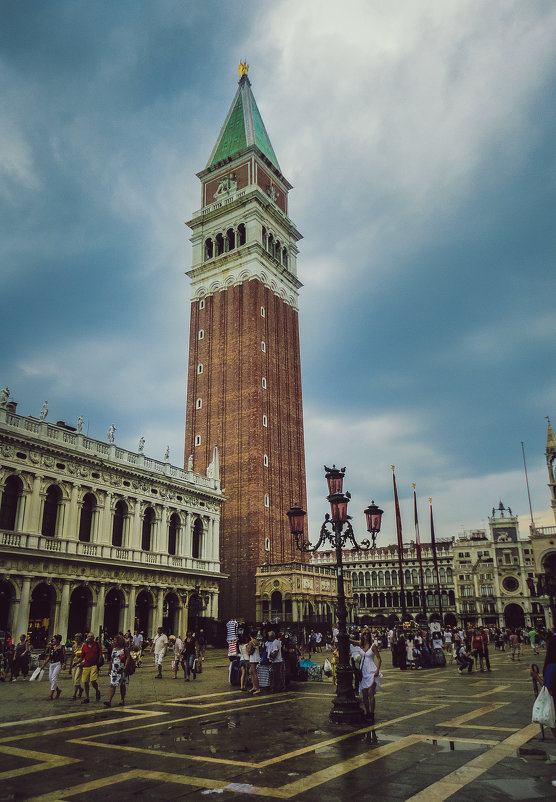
(438, 735)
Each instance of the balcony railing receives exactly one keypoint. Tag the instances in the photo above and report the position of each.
(108, 451)
(21, 542)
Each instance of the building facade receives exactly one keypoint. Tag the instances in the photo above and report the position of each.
(543, 540)
(244, 374)
(494, 570)
(377, 592)
(94, 537)
(300, 594)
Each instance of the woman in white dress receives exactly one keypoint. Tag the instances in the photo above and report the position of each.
(370, 672)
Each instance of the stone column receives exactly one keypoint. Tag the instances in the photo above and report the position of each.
(188, 536)
(33, 522)
(132, 600)
(56, 616)
(72, 530)
(97, 618)
(104, 530)
(182, 615)
(64, 610)
(21, 615)
(159, 614)
(135, 533)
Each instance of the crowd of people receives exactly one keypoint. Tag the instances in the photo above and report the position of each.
(84, 656)
(265, 659)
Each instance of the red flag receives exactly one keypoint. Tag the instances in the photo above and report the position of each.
(418, 550)
(398, 514)
(435, 561)
(417, 535)
(400, 541)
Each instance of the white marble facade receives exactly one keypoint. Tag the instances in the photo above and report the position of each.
(96, 537)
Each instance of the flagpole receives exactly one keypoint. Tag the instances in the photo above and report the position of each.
(418, 550)
(435, 561)
(400, 542)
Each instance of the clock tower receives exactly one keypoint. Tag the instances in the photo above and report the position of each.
(244, 374)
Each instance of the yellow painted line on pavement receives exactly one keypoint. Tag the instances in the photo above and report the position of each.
(304, 750)
(456, 780)
(139, 714)
(287, 791)
(45, 761)
(472, 714)
(88, 741)
(497, 689)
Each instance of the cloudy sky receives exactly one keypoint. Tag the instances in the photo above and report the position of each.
(420, 138)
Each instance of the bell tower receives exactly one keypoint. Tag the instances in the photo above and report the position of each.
(244, 374)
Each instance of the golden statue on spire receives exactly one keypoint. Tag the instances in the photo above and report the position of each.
(243, 68)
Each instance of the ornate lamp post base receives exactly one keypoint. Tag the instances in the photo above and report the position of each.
(346, 708)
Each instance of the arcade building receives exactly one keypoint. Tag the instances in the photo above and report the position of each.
(97, 538)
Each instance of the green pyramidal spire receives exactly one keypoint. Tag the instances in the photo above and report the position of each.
(242, 128)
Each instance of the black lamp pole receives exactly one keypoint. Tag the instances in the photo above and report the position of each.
(337, 530)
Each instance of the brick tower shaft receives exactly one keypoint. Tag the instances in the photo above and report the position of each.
(244, 375)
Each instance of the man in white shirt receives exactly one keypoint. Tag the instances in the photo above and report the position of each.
(274, 651)
(159, 648)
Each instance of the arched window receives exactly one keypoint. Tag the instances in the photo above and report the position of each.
(241, 236)
(13, 488)
(428, 576)
(50, 511)
(230, 239)
(394, 577)
(264, 238)
(414, 576)
(369, 599)
(270, 244)
(146, 534)
(396, 599)
(219, 244)
(407, 576)
(380, 580)
(373, 579)
(173, 531)
(375, 599)
(367, 578)
(120, 514)
(197, 540)
(86, 520)
(449, 575)
(380, 596)
(361, 580)
(388, 599)
(285, 257)
(442, 573)
(354, 579)
(387, 577)
(416, 602)
(209, 251)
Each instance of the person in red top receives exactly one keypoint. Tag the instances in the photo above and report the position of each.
(91, 654)
(477, 648)
(484, 636)
(514, 644)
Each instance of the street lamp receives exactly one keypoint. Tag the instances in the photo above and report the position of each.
(338, 531)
